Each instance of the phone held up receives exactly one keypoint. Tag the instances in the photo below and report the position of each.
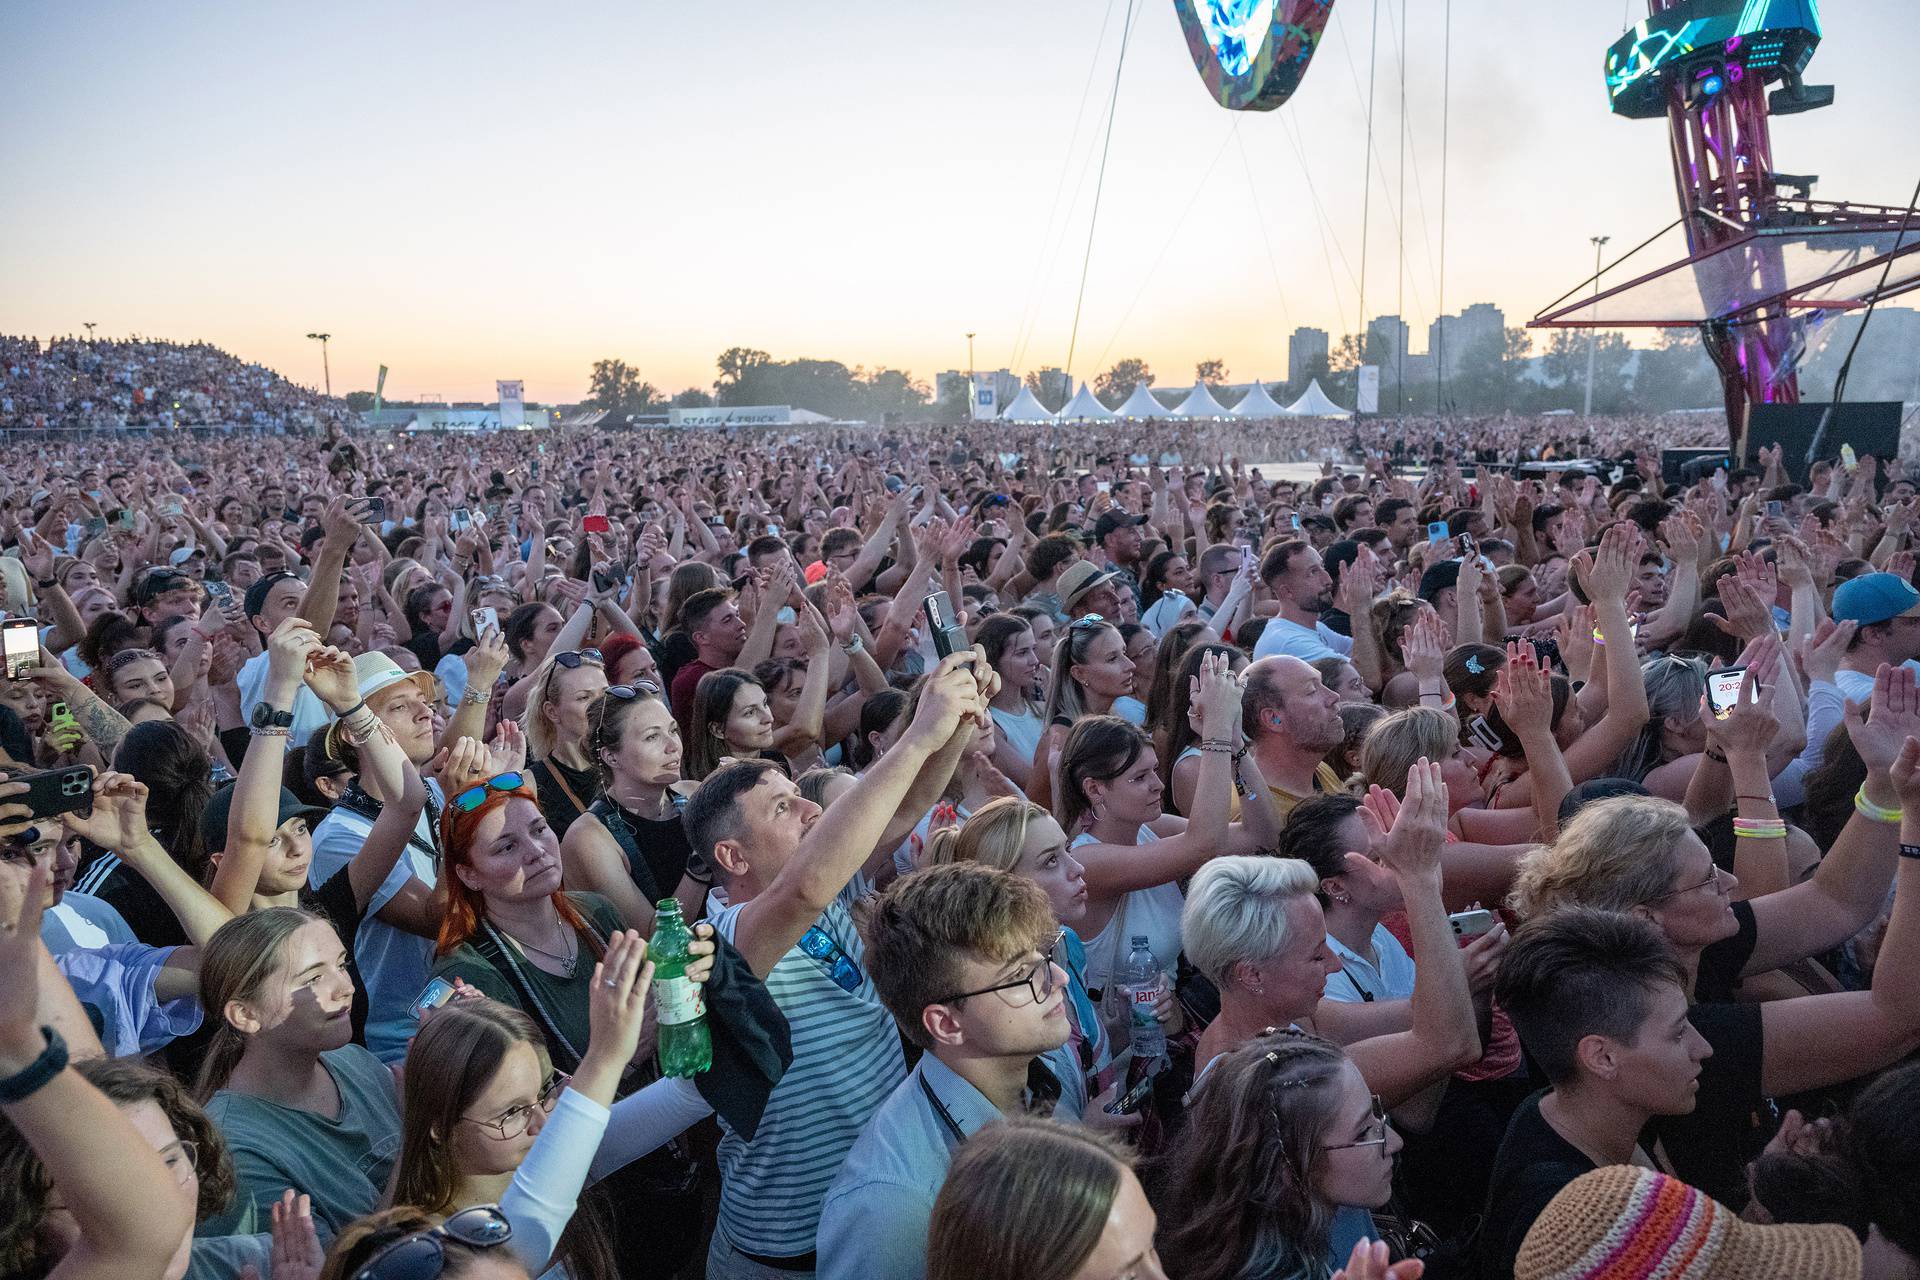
(20, 644)
(948, 635)
(1723, 691)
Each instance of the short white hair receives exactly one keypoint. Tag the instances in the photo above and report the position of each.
(1237, 911)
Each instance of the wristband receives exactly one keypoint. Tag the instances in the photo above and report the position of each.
(1756, 829)
(46, 584)
(1718, 757)
(1868, 809)
(476, 696)
(30, 1079)
(1910, 850)
(360, 705)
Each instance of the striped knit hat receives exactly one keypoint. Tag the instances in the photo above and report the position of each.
(1628, 1223)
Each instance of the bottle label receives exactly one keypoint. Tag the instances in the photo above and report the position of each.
(1145, 997)
(678, 1000)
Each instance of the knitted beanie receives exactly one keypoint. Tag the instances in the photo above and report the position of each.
(1628, 1223)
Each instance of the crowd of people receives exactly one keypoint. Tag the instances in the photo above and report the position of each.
(1105, 860)
(102, 383)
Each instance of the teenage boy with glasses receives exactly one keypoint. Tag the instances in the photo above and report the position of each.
(963, 955)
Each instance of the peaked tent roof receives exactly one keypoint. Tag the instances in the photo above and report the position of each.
(1141, 404)
(1084, 407)
(1200, 404)
(1257, 403)
(1315, 403)
(1026, 409)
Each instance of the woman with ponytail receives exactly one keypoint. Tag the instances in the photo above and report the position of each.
(299, 1105)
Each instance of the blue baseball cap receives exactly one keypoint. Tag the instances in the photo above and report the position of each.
(1873, 597)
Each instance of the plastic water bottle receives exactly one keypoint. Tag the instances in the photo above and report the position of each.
(1144, 983)
(686, 1046)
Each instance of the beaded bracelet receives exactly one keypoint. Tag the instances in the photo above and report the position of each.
(1868, 809)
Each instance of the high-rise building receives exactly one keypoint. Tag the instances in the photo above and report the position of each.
(1391, 333)
(1449, 338)
(1306, 353)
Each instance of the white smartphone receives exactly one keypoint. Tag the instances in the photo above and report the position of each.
(484, 618)
(1723, 691)
(1471, 924)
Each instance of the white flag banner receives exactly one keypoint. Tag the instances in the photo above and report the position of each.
(1369, 401)
(985, 404)
(512, 403)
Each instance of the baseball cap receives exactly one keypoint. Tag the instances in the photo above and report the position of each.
(256, 600)
(213, 818)
(157, 583)
(1079, 578)
(1624, 1222)
(185, 552)
(376, 671)
(1438, 578)
(1172, 608)
(1114, 518)
(1873, 597)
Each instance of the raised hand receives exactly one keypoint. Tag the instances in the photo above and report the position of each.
(1412, 847)
(1423, 646)
(1216, 694)
(1750, 726)
(1823, 651)
(486, 660)
(1524, 693)
(118, 818)
(1749, 614)
(507, 752)
(616, 1009)
(1892, 716)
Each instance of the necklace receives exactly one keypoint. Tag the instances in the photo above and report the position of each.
(568, 960)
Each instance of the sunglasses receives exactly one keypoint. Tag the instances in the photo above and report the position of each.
(423, 1255)
(625, 693)
(475, 796)
(1085, 621)
(819, 944)
(572, 658)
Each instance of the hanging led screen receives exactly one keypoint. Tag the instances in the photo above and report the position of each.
(1252, 53)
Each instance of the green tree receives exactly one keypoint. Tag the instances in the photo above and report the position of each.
(1117, 383)
(1213, 371)
(737, 367)
(693, 398)
(617, 387)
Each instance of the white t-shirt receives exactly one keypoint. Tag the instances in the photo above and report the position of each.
(1309, 644)
(310, 715)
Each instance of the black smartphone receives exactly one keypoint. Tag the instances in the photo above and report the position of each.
(605, 579)
(373, 510)
(1132, 1100)
(948, 635)
(221, 592)
(20, 644)
(52, 792)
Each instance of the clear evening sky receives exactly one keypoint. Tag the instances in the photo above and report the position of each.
(470, 191)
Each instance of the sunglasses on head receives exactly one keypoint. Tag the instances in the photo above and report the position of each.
(475, 796)
(423, 1254)
(572, 658)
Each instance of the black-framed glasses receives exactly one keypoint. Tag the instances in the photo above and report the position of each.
(572, 658)
(625, 693)
(423, 1254)
(1379, 1129)
(1713, 878)
(514, 1121)
(1038, 980)
(819, 944)
(475, 796)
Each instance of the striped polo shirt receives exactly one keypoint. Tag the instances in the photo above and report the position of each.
(846, 1060)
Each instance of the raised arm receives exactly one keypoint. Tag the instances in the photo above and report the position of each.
(119, 822)
(840, 839)
(253, 818)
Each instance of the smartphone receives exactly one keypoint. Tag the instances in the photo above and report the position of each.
(1471, 924)
(596, 524)
(1467, 548)
(1294, 520)
(170, 509)
(484, 618)
(20, 643)
(605, 579)
(1481, 732)
(373, 510)
(1437, 531)
(126, 519)
(1848, 456)
(221, 592)
(948, 635)
(437, 993)
(95, 526)
(1776, 509)
(1132, 1100)
(59, 714)
(460, 521)
(52, 792)
(1723, 691)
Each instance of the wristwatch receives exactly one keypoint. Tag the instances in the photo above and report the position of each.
(265, 717)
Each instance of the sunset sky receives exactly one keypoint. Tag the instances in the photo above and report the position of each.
(474, 191)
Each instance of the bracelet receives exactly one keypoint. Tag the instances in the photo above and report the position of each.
(271, 731)
(29, 1080)
(1718, 757)
(476, 697)
(1868, 809)
(1910, 850)
(854, 646)
(1216, 748)
(1209, 743)
(1448, 704)
(46, 585)
(1762, 799)
(360, 705)
(1759, 829)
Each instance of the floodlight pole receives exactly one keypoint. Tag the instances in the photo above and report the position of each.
(325, 370)
(1593, 335)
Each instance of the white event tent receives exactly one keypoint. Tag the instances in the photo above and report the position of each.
(1200, 404)
(1257, 404)
(1141, 404)
(1315, 403)
(1085, 407)
(1025, 408)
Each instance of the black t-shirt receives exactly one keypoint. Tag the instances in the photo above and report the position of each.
(674, 651)
(1721, 962)
(1533, 1163)
(560, 808)
(658, 851)
(1710, 1146)
(425, 645)
(335, 901)
(104, 876)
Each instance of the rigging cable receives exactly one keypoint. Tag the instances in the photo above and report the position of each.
(1366, 173)
(1400, 269)
(1846, 366)
(1093, 221)
(1440, 307)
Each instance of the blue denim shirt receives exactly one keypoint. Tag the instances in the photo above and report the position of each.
(875, 1219)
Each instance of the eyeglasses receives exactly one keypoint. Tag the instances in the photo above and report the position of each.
(1378, 1123)
(1713, 878)
(572, 658)
(423, 1255)
(475, 796)
(1038, 980)
(819, 944)
(514, 1121)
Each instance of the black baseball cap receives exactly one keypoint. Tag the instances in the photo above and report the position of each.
(256, 600)
(213, 818)
(1114, 518)
(157, 583)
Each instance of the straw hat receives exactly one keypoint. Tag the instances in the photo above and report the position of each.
(1628, 1223)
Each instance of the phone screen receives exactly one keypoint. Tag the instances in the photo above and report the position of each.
(485, 618)
(1723, 691)
(1437, 531)
(20, 639)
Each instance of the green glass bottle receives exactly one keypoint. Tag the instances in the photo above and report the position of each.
(686, 1046)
